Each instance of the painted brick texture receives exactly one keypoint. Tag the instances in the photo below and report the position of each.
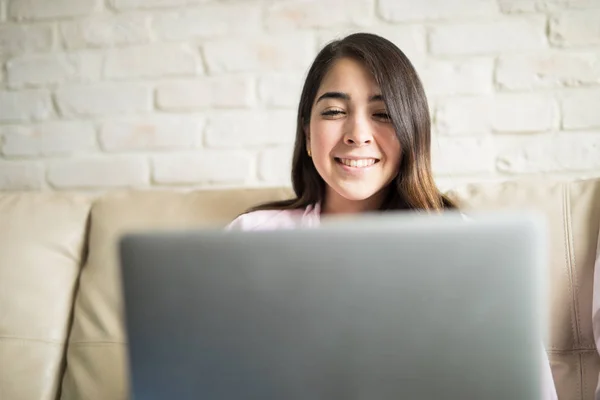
(102, 94)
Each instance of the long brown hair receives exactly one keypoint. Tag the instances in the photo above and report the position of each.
(403, 94)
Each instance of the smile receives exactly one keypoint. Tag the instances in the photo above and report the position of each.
(357, 163)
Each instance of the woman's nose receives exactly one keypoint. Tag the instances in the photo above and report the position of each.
(357, 141)
(358, 134)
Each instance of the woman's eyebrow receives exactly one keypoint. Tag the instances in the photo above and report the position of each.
(334, 95)
(346, 96)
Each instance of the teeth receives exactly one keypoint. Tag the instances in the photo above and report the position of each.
(358, 163)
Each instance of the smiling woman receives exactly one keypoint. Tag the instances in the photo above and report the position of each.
(363, 133)
(363, 142)
(351, 139)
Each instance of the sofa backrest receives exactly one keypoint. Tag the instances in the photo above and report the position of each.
(572, 210)
(42, 239)
(96, 358)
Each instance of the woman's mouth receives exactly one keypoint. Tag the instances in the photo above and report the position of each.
(357, 162)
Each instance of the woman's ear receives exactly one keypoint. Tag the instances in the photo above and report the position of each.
(307, 136)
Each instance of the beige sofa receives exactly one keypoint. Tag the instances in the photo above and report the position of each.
(61, 329)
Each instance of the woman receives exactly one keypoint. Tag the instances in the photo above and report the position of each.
(363, 142)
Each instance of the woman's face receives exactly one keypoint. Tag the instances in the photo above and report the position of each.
(352, 140)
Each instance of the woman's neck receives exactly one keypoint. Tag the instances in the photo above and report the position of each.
(336, 204)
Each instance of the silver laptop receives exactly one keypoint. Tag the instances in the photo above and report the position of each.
(375, 307)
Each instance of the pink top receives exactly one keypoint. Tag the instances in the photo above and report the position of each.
(310, 217)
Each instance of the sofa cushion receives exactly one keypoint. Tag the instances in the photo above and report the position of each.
(572, 211)
(42, 238)
(96, 358)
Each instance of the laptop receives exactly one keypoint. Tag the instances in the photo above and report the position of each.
(393, 306)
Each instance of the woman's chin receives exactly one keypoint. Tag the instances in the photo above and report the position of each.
(358, 194)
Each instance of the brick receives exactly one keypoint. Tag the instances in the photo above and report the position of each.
(448, 156)
(48, 139)
(45, 69)
(230, 91)
(307, 14)
(581, 109)
(103, 99)
(563, 152)
(526, 6)
(464, 115)
(21, 175)
(132, 4)
(524, 112)
(208, 22)
(148, 61)
(24, 105)
(251, 129)
(19, 39)
(156, 132)
(105, 31)
(467, 76)
(518, 6)
(512, 34)
(411, 39)
(545, 71)
(280, 90)
(43, 9)
(275, 165)
(575, 28)
(408, 10)
(99, 172)
(207, 166)
(281, 52)
(574, 3)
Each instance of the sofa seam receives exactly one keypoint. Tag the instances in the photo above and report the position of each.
(572, 351)
(94, 343)
(582, 376)
(26, 339)
(64, 367)
(569, 261)
(574, 275)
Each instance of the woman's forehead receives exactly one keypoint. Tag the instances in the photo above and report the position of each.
(350, 76)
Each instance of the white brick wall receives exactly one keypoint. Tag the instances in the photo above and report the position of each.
(151, 61)
(49, 138)
(43, 9)
(105, 31)
(510, 34)
(159, 132)
(205, 92)
(99, 94)
(25, 105)
(103, 99)
(206, 166)
(207, 22)
(99, 172)
(576, 28)
(250, 129)
(33, 70)
(303, 14)
(548, 70)
(17, 40)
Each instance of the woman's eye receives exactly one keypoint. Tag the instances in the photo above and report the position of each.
(331, 113)
(384, 116)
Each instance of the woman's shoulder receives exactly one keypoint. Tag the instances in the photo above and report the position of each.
(267, 219)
